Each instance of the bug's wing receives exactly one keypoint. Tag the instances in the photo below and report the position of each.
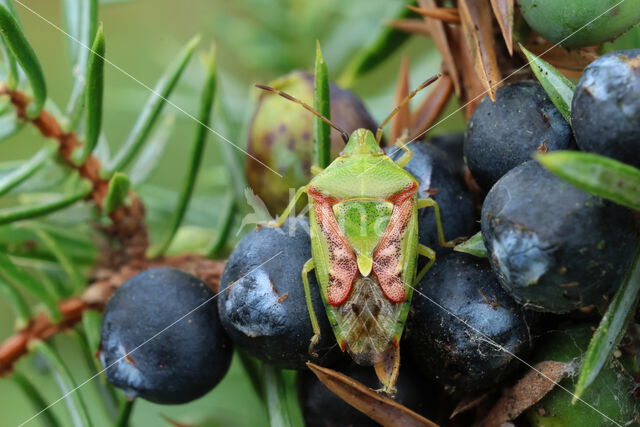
(389, 256)
(341, 267)
(371, 320)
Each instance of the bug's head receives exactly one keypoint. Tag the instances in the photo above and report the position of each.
(362, 141)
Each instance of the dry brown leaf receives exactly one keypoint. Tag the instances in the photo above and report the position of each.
(402, 120)
(558, 56)
(379, 408)
(503, 10)
(527, 392)
(441, 38)
(432, 106)
(473, 90)
(444, 14)
(413, 26)
(477, 27)
(466, 404)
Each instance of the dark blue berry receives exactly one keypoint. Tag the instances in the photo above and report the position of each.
(162, 339)
(452, 144)
(263, 307)
(505, 133)
(605, 112)
(553, 246)
(457, 309)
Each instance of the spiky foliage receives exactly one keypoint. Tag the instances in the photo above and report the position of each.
(76, 221)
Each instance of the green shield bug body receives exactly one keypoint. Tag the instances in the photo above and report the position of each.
(364, 242)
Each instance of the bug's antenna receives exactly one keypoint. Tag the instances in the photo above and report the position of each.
(285, 95)
(413, 93)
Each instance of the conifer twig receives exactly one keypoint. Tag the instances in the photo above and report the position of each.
(128, 227)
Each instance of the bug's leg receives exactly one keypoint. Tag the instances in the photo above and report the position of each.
(401, 144)
(426, 252)
(288, 210)
(315, 169)
(406, 156)
(306, 269)
(429, 202)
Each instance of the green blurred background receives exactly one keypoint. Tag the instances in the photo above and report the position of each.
(257, 41)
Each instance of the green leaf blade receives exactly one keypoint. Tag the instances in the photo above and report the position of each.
(224, 229)
(17, 303)
(27, 170)
(11, 8)
(611, 328)
(253, 369)
(278, 395)
(13, 74)
(81, 18)
(117, 192)
(149, 158)
(124, 413)
(559, 88)
(75, 402)
(37, 400)
(322, 104)
(77, 242)
(197, 150)
(94, 95)
(153, 108)
(26, 57)
(20, 279)
(72, 12)
(109, 398)
(11, 67)
(10, 126)
(473, 246)
(92, 324)
(20, 213)
(67, 264)
(599, 175)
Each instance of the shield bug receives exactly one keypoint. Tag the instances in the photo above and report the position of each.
(364, 244)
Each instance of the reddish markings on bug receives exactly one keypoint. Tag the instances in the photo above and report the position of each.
(387, 258)
(342, 261)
